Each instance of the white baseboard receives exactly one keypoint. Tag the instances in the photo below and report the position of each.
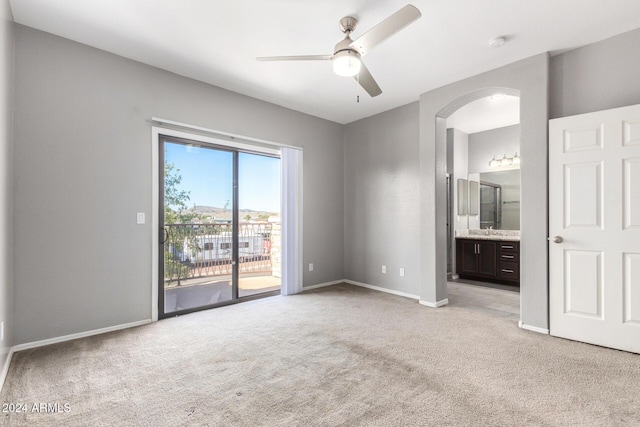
(322, 285)
(436, 304)
(70, 337)
(5, 368)
(533, 328)
(381, 289)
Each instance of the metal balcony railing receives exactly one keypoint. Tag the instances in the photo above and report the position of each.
(205, 250)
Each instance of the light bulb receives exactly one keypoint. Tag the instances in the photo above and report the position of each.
(494, 162)
(516, 159)
(346, 63)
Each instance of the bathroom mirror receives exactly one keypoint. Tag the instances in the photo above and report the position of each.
(463, 196)
(473, 197)
(499, 196)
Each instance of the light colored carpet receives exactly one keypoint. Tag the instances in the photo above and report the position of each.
(338, 356)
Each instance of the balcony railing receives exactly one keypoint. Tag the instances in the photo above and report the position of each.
(205, 250)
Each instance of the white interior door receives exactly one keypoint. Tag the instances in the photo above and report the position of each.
(594, 227)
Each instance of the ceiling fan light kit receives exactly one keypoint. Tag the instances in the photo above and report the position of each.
(347, 53)
(346, 60)
(346, 63)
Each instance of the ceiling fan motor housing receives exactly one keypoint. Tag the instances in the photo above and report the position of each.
(348, 24)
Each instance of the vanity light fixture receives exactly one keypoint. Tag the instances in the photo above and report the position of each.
(504, 161)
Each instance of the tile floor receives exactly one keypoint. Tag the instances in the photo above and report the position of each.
(496, 300)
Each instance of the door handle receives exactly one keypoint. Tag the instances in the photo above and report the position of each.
(166, 235)
(556, 239)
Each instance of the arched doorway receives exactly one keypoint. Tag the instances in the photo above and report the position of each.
(483, 169)
(528, 79)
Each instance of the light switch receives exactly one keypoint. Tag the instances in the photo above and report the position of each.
(402, 272)
(311, 266)
(140, 217)
(384, 269)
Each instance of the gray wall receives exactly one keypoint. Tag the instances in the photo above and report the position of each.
(83, 170)
(596, 77)
(382, 210)
(458, 143)
(460, 147)
(529, 80)
(6, 177)
(484, 145)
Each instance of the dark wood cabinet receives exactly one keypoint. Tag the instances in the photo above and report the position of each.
(489, 260)
(509, 261)
(478, 257)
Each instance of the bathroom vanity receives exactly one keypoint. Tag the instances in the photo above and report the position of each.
(489, 255)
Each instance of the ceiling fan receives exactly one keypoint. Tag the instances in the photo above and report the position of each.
(347, 53)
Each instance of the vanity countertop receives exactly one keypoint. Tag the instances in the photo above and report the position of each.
(500, 235)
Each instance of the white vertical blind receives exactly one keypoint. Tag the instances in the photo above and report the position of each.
(291, 183)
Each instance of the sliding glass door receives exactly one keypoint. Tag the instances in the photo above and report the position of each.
(219, 222)
(259, 224)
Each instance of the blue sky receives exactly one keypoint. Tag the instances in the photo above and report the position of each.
(208, 175)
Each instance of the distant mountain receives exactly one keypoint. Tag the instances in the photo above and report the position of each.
(221, 213)
(206, 210)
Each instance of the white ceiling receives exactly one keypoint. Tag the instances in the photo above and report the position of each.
(216, 41)
(486, 113)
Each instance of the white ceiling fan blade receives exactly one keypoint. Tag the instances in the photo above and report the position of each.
(367, 81)
(386, 29)
(295, 58)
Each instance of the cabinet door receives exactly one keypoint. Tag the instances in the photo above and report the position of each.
(487, 265)
(468, 259)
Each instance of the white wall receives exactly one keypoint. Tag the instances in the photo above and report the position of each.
(83, 170)
(6, 177)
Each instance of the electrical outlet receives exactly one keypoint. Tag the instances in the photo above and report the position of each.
(140, 218)
(402, 272)
(310, 266)
(384, 269)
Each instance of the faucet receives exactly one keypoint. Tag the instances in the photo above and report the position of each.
(489, 228)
